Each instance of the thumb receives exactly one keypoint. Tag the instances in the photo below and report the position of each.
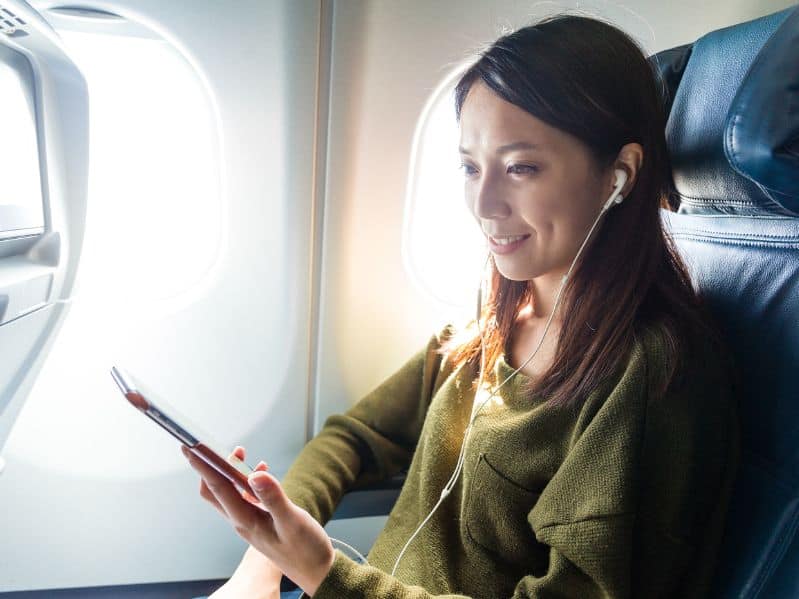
(269, 492)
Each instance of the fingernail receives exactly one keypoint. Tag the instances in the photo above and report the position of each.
(259, 482)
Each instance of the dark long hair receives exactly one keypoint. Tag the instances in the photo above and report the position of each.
(590, 79)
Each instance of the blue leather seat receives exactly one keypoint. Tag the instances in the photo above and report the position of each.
(733, 133)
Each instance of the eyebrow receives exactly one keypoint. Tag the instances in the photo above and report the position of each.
(517, 145)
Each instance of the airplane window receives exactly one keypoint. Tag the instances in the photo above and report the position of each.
(21, 210)
(443, 249)
(154, 223)
(154, 236)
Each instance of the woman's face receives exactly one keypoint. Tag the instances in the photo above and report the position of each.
(524, 178)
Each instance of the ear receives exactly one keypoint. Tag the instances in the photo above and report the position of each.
(629, 159)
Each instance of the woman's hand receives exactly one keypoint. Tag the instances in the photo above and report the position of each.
(282, 531)
(256, 577)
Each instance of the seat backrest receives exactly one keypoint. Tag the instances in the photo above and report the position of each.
(732, 99)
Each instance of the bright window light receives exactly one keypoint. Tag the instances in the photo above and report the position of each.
(154, 222)
(155, 233)
(443, 248)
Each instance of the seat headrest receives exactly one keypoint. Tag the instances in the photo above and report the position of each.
(732, 99)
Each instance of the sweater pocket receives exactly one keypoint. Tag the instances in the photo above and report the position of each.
(495, 517)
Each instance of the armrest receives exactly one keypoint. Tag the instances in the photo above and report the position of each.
(375, 500)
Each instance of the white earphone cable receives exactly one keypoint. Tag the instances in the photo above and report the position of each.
(461, 456)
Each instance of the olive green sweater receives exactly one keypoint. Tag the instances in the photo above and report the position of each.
(624, 497)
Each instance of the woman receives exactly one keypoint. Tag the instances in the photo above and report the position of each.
(601, 468)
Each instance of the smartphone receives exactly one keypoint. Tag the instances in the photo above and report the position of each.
(235, 470)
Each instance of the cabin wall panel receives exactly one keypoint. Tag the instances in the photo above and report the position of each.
(112, 522)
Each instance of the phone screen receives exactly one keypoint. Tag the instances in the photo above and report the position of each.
(185, 431)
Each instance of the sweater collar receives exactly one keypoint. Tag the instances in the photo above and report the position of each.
(512, 393)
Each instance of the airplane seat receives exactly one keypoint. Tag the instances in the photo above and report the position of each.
(732, 100)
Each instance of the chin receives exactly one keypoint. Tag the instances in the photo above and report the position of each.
(519, 270)
(515, 274)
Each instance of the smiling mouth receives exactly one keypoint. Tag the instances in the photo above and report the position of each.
(507, 239)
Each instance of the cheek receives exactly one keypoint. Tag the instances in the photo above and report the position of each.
(550, 204)
(469, 201)
(540, 212)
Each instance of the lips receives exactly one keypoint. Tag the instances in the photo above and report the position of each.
(505, 244)
(506, 239)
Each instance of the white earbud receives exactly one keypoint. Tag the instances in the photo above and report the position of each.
(616, 197)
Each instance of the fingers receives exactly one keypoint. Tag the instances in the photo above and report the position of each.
(240, 512)
(206, 494)
(261, 467)
(240, 453)
(270, 493)
(238, 506)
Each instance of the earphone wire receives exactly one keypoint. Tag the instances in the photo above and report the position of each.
(351, 548)
(461, 456)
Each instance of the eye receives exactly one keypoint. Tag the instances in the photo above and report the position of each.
(467, 169)
(522, 169)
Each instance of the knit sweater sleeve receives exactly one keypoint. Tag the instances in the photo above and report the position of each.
(635, 510)
(372, 441)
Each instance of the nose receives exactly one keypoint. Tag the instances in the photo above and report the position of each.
(488, 201)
